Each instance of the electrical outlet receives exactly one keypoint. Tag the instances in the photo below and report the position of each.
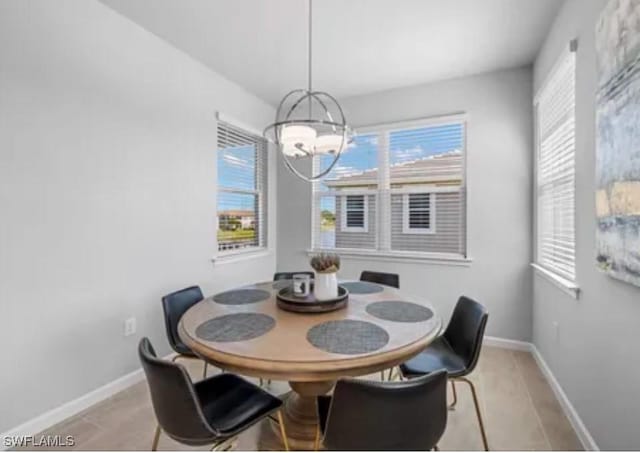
(556, 330)
(129, 326)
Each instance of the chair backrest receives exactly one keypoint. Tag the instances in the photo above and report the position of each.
(174, 399)
(466, 330)
(379, 416)
(174, 305)
(381, 277)
(289, 275)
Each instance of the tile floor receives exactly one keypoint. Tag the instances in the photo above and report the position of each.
(520, 410)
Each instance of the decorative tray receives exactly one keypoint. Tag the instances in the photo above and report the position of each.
(309, 304)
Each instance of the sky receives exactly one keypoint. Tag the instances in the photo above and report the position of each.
(404, 146)
(236, 170)
(236, 166)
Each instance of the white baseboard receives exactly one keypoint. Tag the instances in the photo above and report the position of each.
(73, 407)
(505, 343)
(578, 426)
(576, 422)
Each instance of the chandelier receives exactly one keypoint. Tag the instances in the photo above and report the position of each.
(308, 124)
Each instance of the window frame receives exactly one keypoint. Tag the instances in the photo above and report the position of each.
(406, 214)
(344, 214)
(383, 249)
(260, 191)
(565, 281)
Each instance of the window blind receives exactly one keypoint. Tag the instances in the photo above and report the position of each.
(396, 189)
(555, 169)
(242, 189)
(426, 181)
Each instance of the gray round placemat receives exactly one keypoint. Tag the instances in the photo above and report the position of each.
(235, 327)
(241, 296)
(348, 337)
(362, 287)
(399, 311)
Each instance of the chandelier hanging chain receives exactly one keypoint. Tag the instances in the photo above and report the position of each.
(319, 132)
(310, 50)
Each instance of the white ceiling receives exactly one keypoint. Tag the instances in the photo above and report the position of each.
(360, 46)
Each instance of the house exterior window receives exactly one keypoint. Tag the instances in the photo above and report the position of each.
(398, 189)
(554, 107)
(418, 216)
(242, 190)
(354, 213)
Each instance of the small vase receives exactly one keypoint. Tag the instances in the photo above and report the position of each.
(325, 286)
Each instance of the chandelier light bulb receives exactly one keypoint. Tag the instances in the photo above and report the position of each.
(295, 134)
(330, 144)
(290, 150)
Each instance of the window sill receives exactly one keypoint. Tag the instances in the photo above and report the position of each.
(240, 256)
(566, 285)
(399, 257)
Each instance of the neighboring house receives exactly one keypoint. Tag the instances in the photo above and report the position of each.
(427, 201)
(236, 219)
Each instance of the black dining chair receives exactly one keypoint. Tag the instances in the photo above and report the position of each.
(374, 416)
(212, 411)
(174, 306)
(289, 275)
(382, 278)
(457, 350)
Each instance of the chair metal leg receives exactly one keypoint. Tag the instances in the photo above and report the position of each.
(283, 432)
(156, 438)
(475, 402)
(225, 445)
(382, 375)
(395, 373)
(261, 382)
(455, 395)
(180, 356)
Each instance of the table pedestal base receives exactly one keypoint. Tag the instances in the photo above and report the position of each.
(300, 418)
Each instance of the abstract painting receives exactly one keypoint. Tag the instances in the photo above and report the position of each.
(618, 140)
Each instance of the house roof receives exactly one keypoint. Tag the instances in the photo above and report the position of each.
(433, 169)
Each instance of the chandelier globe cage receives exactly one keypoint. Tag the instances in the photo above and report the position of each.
(308, 124)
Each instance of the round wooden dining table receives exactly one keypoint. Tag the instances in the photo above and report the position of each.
(243, 331)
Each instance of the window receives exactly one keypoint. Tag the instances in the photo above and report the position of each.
(555, 170)
(242, 184)
(354, 213)
(417, 214)
(345, 202)
(397, 190)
